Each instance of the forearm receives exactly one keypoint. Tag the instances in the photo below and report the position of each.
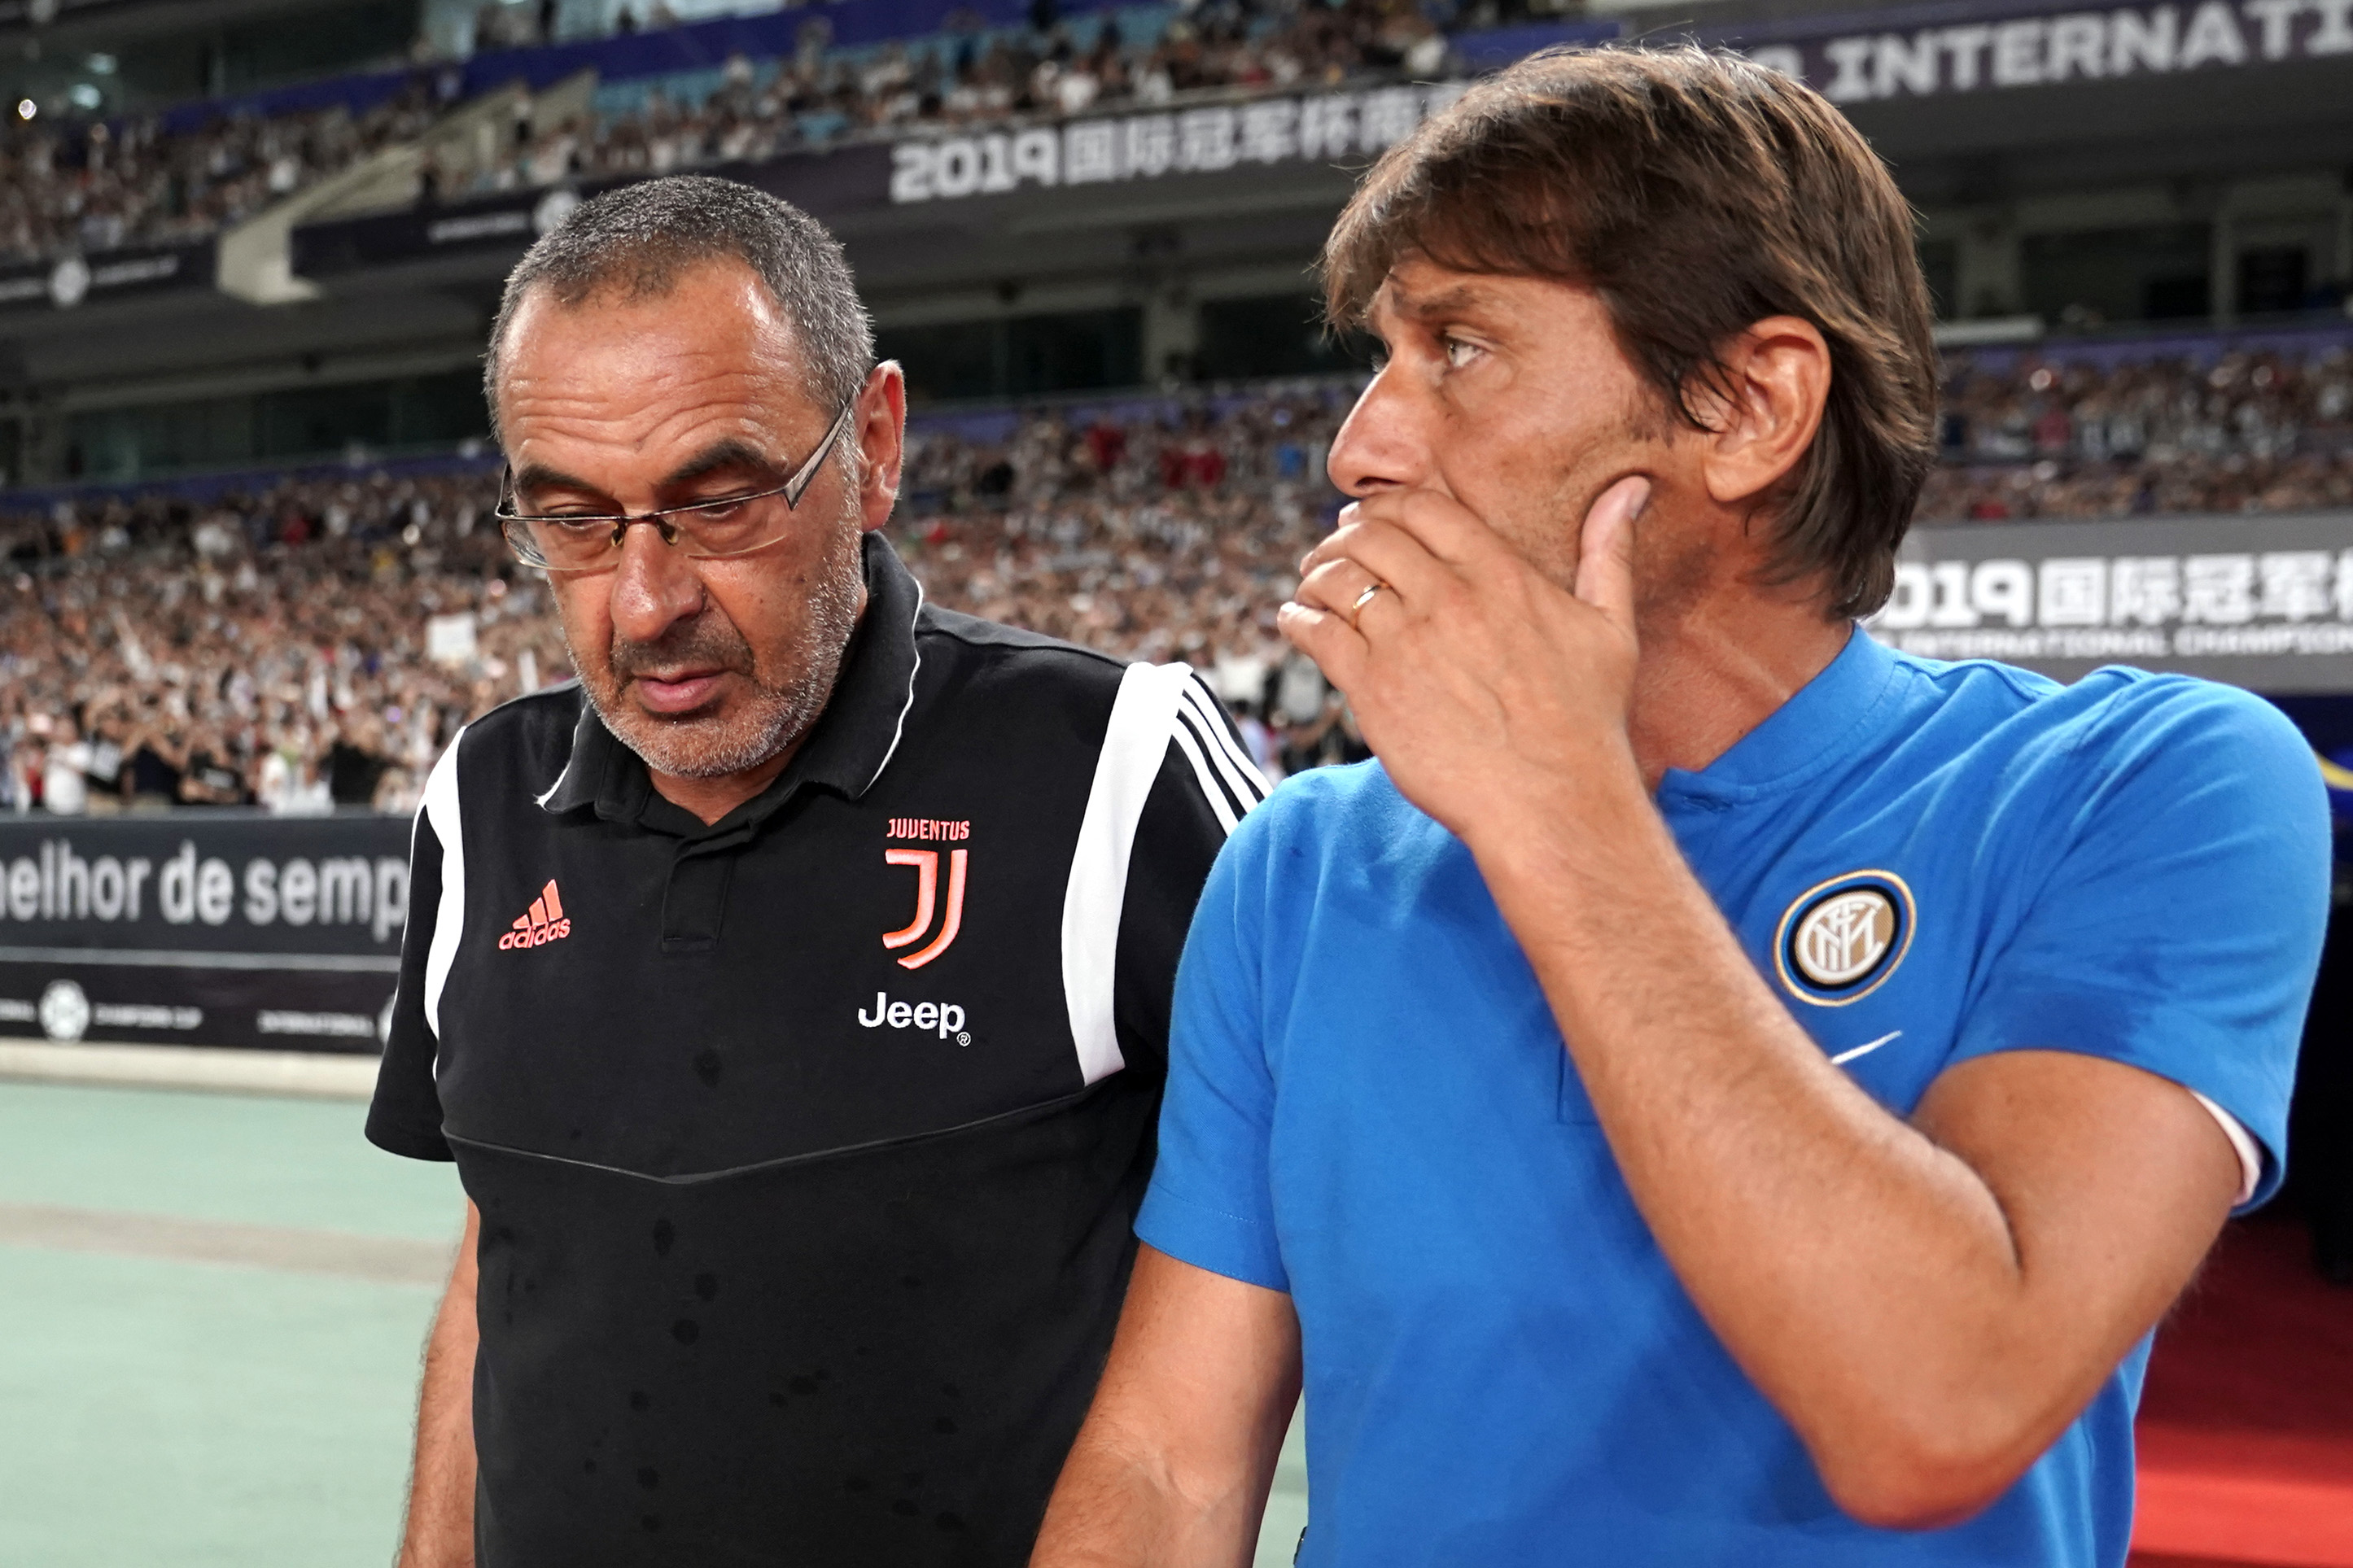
(440, 1532)
(1172, 1467)
(1798, 1213)
(1119, 1505)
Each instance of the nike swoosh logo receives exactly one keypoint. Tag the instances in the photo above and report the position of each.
(1844, 1058)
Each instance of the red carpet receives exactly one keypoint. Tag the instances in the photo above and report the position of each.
(2246, 1429)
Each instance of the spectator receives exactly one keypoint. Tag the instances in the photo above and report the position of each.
(154, 760)
(212, 777)
(354, 767)
(65, 778)
(299, 788)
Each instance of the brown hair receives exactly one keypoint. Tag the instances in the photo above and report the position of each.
(1696, 194)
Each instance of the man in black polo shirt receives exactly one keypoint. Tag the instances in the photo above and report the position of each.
(792, 992)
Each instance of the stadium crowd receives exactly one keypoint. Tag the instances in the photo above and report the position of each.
(314, 642)
(86, 185)
(2253, 430)
(265, 649)
(96, 185)
(968, 75)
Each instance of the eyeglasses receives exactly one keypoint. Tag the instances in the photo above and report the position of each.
(711, 529)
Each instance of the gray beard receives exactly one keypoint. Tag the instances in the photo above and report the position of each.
(778, 714)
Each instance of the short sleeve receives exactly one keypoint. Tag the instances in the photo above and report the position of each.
(405, 1116)
(1206, 784)
(1210, 1204)
(2180, 929)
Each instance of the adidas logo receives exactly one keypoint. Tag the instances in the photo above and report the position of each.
(544, 924)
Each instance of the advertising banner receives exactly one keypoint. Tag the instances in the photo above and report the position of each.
(206, 928)
(1348, 128)
(1926, 51)
(75, 279)
(2264, 603)
(1321, 128)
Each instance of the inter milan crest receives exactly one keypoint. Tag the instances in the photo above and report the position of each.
(1842, 939)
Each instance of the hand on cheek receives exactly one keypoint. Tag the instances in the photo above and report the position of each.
(1486, 690)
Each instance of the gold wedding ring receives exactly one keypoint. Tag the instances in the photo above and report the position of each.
(1362, 600)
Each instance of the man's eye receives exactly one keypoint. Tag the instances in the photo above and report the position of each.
(1459, 353)
(726, 511)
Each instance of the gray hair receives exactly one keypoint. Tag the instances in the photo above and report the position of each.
(639, 239)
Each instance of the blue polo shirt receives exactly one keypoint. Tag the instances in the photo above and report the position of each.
(1369, 1106)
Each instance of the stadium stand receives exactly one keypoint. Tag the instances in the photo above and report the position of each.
(266, 647)
(2190, 425)
(86, 185)
(95, 187)
(1145, 55)
(273, 642)
(253, 638)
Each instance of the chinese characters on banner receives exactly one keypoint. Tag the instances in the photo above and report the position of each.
(2129, 607)
(1324, 129)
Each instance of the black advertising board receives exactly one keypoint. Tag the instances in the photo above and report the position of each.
(76, 280)
(826, 185)
(350, 245)
(210, 929)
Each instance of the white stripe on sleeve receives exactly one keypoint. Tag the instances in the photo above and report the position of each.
(1135, 745)
(449, 920)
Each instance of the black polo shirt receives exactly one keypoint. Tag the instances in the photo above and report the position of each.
(808, 1143)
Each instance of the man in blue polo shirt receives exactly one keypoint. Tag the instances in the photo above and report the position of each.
(1715, 1091)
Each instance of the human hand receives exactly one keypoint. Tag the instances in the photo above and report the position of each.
(1488, 693)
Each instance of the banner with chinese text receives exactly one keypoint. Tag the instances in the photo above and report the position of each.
(1323, 127)
(2261, 602)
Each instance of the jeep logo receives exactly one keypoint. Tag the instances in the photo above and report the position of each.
(944, 1017)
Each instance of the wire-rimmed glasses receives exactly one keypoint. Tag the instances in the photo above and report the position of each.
(708, 530)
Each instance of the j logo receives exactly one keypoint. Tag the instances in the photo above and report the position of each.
(927, 863)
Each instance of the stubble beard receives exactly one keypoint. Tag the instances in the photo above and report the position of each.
(778, 710)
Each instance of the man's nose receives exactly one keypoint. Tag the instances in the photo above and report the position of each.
(1381, 445)
(655, 587)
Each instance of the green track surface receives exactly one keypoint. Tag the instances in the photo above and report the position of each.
(191, 1414)
(195, 1414)
(300, 1163)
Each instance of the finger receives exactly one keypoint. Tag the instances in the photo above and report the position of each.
(1321, 551)
(1443, 526)
(1605, 551)
(1335, 585)
(1390, 554)
(1337, 647)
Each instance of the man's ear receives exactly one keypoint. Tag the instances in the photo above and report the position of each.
(879, 428)
(1763, 406)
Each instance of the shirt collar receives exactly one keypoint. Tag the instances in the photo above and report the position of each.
(846, 750)
(1819, 724)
